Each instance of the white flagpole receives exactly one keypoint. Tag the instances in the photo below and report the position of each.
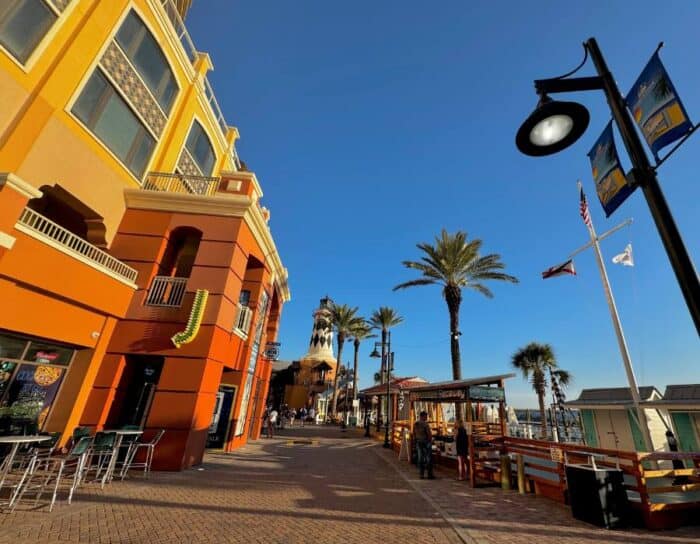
(641, 416)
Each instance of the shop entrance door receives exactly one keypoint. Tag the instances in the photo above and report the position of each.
(137, 387)
(221, 418)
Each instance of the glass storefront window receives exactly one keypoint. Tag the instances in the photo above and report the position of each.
(31, 372)
(7, 368)
(12, 347)
(40, 352)
(28, 398)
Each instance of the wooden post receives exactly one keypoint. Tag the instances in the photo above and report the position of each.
(472, 464)
(505, 472)
(522, 482)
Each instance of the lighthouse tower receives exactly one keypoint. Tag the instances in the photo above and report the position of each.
(321, 344)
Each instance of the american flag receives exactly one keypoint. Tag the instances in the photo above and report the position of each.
(585, 214)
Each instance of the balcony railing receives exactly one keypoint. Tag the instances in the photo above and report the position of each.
(180, 183)
(166, 292)
(75, 245)
(191, 51)
(241, 323)
(180, 29)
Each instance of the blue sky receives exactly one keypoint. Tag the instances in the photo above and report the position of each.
(372, 125)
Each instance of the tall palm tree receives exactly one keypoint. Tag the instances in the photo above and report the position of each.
(344, 319)
(534, 361)
(384, 319)
(359, 333)
(454, 263)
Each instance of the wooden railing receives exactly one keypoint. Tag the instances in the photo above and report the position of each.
(662, 496)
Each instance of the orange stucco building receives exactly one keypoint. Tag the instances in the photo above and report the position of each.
(139, 278)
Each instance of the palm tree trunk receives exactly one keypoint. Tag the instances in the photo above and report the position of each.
(453, 297)
(341, 341)
(354, 369)
(543, 415)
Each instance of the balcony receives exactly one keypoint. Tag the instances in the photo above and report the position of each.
(180, 183)
(241, 324)
(166, 292)
(75, 246)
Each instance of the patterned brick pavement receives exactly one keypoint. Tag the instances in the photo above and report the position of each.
(327, 487)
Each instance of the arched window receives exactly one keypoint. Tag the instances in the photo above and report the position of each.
(199, 146)
(181, 252)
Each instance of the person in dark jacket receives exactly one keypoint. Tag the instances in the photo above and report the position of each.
(462, 446)
(423, 437)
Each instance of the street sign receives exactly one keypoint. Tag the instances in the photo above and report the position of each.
(272, 351)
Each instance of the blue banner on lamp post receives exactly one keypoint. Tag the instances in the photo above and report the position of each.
(610, 182)
(657, 108)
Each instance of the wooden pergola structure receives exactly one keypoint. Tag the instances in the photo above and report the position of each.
(469, 394)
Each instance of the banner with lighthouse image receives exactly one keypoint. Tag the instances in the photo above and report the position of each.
(610, 182)
(657, 108)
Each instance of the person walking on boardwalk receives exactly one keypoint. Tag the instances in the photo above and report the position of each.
(424, 444)
(462, 447)
(271, 422)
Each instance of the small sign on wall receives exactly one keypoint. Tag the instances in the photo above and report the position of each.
(556, 454)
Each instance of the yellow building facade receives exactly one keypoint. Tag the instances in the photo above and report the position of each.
(122, 197)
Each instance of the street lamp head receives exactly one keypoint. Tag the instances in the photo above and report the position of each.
(375, 354)
(553, 126)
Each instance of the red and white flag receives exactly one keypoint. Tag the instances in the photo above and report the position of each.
(560, 270)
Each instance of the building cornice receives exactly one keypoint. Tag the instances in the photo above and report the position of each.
(18, 185)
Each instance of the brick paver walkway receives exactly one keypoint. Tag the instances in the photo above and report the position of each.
(339, 488)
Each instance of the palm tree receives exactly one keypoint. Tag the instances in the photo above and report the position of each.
(534, 361)
(344, 320)
(454, 263)
(359, 333)
(384, 319)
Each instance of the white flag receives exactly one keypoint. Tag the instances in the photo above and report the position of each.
(625, 257)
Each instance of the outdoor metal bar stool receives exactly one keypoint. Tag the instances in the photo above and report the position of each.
(99, 456)
(16, 477)
(51, 471)
(150, 449)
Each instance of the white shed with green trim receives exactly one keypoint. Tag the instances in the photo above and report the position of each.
(682, 404)
(610, 420)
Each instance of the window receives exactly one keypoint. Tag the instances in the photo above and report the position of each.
(200, 148)
(23, 24)
(106, 113)
(244, 297)
(148, 59)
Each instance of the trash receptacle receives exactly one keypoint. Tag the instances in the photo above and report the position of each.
(597, 495)
(353, 421)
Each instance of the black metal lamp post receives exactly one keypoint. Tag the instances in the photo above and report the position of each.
(387, 357)
(554, 125)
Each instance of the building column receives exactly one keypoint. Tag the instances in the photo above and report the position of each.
(183, 405)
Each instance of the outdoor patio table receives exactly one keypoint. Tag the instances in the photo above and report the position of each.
(121, 433)
(16, 442)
